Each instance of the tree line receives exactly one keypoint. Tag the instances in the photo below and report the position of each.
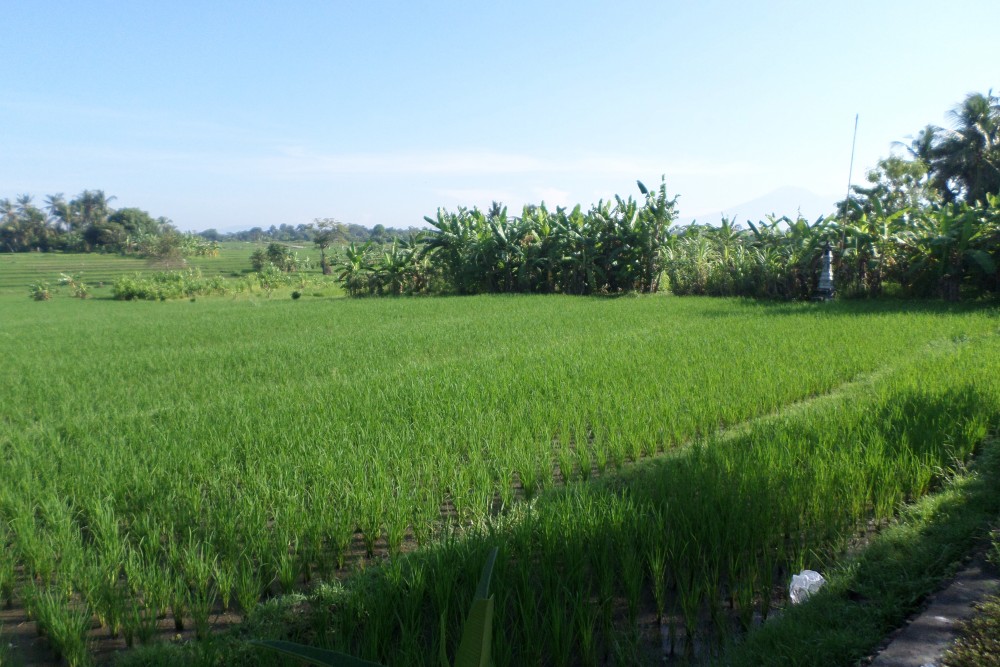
(88, 223)
(343, 233)
(612, 247)
(925, 223)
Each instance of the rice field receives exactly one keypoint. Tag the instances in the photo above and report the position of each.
(19, 270)
(169, 460)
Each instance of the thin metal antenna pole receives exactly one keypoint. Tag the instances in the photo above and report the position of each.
(850, 170)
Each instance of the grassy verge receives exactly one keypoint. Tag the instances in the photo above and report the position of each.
(874, 593)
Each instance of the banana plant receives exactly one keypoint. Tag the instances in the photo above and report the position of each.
(475, 649)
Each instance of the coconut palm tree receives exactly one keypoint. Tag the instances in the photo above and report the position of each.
(965, 161)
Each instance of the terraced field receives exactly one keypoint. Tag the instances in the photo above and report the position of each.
(19, 270)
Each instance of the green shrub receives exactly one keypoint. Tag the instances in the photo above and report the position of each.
(40, 292)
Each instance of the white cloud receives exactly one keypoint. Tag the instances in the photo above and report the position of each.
(552, 196)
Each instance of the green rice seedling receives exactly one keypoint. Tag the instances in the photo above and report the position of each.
(656, 562)
(32, 549)
(632, 577)
(583, 460)
(103, 524)
(530, 482)
(286, 572)
(145, 630)
(460, 491)
(566, 464)
(503, 474)
(689, 589)
(605, 569)
(415, 584)
(200, 602)
(179, 602)
(528, 626)
(600, 459)
(545, 470)
(341, 532)
(559, 626)
(224, 574)
(104, 596)
(64, 627)
(397, 522)
(618, 449)
(197, 562)
(248, 586)
(426, 510)
(71, 634)
(745, 585)
(585, 620)
(130, 621)
(371, 525)
(157, 588)
(310, 553)
(503, 647)
(7, 577)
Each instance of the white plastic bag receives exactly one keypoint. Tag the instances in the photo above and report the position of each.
(804, 584)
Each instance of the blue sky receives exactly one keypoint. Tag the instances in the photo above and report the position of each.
(239, 114)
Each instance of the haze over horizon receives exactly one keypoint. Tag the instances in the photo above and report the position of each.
(231, 116)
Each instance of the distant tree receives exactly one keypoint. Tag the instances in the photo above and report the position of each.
(896, 184)
(378, 234)
(60, 212)
(327, 232)
(258, 260)
(132, 226)
(282, 257)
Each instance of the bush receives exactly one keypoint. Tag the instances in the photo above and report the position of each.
(40, 292)
(164, 285)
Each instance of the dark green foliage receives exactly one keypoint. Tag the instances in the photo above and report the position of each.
(939, 250)
(89, 224)
(613, 248)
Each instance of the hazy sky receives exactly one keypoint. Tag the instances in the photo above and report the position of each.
(240, 114)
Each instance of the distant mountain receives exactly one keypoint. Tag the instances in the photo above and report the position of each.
(788, 201)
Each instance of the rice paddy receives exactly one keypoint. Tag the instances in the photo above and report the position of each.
(19, 270)
(168, 460)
